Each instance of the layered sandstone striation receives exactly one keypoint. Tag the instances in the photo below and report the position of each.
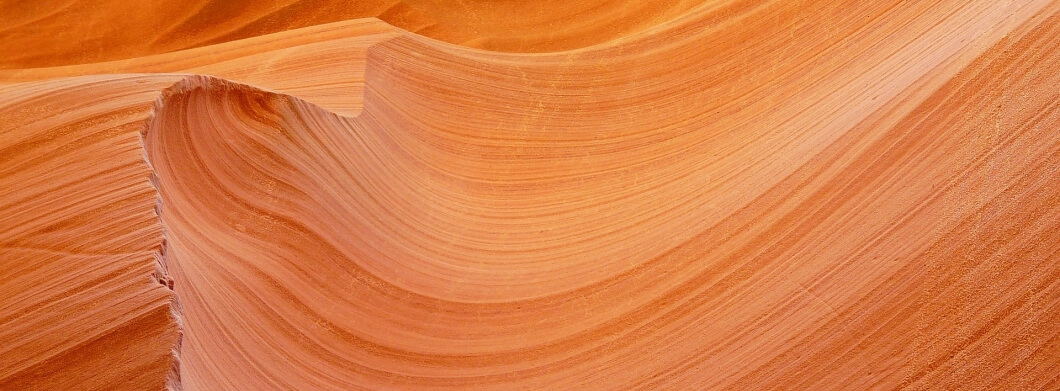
(685, 195)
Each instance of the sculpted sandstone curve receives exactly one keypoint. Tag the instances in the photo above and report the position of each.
(49, 33)
(750, 195)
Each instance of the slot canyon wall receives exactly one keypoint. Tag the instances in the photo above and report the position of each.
(426, 195)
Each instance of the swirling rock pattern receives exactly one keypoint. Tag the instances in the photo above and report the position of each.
(725, 195)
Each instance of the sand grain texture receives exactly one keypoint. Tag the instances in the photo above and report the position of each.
(683, 195)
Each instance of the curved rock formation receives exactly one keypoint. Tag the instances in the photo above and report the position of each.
(49, 33)
(85, 299)
(735, 195)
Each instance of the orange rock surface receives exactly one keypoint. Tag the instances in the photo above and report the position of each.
(734, 194)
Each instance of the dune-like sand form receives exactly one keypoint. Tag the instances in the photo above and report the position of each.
(680, 195)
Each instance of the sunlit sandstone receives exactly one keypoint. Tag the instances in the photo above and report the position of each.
(419, 195)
